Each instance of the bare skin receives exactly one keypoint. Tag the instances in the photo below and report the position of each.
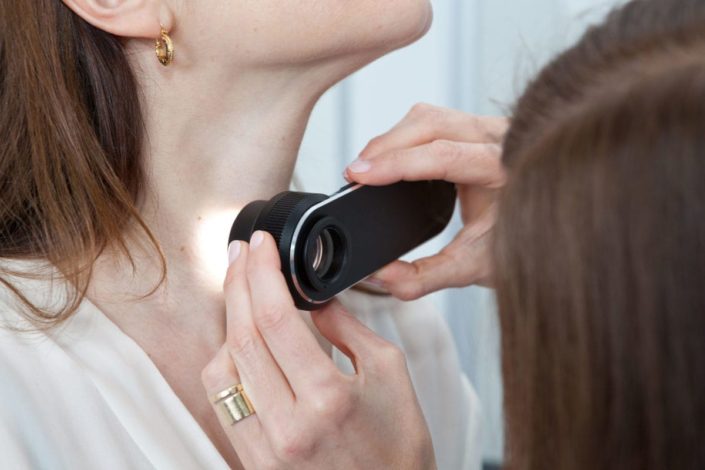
(224, 123)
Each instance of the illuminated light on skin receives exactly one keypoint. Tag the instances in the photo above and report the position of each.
(212, 247)
(212, 252)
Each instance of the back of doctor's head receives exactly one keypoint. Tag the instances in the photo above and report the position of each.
(600, 249)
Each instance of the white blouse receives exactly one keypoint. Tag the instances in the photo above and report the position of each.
(86, 396)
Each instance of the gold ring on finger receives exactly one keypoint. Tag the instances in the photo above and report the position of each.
(233, 404)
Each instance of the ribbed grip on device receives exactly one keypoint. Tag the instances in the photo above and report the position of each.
(278, 215)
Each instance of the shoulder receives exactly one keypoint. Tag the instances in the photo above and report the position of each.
(28, 377)
(45, 393)
(28, 353)
(38, 282)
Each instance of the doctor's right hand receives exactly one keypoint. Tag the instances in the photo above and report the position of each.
(307, 413)
(433, 143)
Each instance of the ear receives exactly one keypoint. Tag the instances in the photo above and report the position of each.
(125, 18)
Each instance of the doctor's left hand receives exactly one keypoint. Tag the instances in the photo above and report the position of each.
(308, 414)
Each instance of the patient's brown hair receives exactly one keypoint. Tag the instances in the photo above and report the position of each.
(600, 250)
(71, 127)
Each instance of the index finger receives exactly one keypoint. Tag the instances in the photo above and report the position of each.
(264, 381)
(290, 340)
(456, 162)
(426, 123)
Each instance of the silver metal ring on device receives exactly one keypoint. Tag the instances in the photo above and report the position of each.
(295, 238)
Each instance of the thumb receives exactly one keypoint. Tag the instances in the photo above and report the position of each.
(410, 281)
(460, 264)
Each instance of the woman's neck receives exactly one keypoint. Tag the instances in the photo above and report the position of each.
(212, 148)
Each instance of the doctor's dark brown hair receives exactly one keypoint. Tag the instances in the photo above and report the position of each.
(71, 127)
(600, 250)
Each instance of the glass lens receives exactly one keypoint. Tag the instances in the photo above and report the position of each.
(324, 254)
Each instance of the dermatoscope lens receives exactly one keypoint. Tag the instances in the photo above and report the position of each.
(323, 254)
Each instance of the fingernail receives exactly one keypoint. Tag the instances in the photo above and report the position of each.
(346, 177)
(257, 239)
(360, 166)
(375, 281)
(374, 285)
(234, 251)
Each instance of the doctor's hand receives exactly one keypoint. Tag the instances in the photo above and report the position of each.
(433, 143)
(309, 414)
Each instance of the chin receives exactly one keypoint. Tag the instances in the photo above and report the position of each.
(399, 23)
(351, 31)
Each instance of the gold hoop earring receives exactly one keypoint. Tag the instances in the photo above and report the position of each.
(165, 48)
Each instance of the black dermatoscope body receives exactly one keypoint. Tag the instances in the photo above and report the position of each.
(330, 243)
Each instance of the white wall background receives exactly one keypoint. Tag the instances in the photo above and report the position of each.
(477, 57)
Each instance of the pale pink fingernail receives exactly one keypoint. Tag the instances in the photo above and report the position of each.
(257, 239)
(360, 166)
(234, 251)
(375, 282)
(375, 285)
